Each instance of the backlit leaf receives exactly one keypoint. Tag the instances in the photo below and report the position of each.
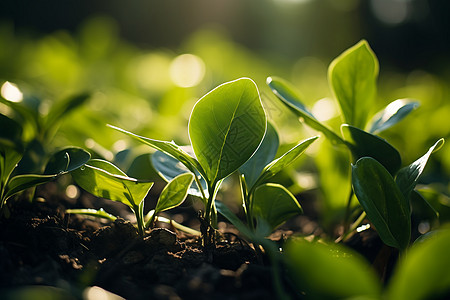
(226, 127)
(175, 192)
(392, 114)
(66, 160)
(287, 94)
(352, 77)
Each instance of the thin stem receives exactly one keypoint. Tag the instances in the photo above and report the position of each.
(349, 233)
(347, 209)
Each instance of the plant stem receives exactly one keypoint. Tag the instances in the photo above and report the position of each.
(347, 209)
(347, 234)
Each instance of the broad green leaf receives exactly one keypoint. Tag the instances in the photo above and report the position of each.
(408, 176)
(392, 114)
(274, 204)
(363, 144)
(226, 127)
(99, 213)
(352, 77)
(21, 182)
(103, 179)
(382, 200)
(169, 148)
(285, 160)
(175, 192)
(169, 167)
(329, 271)
(287, 94)
(66, 160)
(423, 272)
(265, 154)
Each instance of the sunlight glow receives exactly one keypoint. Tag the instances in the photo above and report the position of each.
(324, 109)
(11, 92)
(393, 107)
(187, 70)
(363, 227)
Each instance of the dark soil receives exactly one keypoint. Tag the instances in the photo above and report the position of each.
(41, 245)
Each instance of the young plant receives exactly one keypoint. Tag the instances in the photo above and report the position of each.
(226, 127)
(352, 78)
(11, 153)
(103, 179)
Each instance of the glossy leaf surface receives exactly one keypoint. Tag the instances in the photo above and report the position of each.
(392, 114)
(423, 273)
(352, 77)
(21, 182)
(105, 180)
(382, 200)
(329, 271)
(364, 144)
(226, 127)
(274, 204)
(408, 176)
(175, 192)
(264, 155)
(66, 160)
(285, 160)
(287, 94)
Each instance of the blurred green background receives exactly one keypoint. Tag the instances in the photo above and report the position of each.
(146, 63)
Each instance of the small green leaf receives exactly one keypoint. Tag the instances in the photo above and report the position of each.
(169, 148)
(175, 192)
(274, 204)
(352, 77)
(329, 271)
(363, 144)
(286, 93)
(100, 213)
(285, 160)
(382, 200)
(66, 160)
(169, 167)
(392, 114)
(21, 182)
(103, 179)
(408, 176)
(226, 127)
(266, 153)
(423, 273)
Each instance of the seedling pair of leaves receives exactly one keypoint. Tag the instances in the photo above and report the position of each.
(11, 153)
(103, 179)
(352, 77)
(226, 127)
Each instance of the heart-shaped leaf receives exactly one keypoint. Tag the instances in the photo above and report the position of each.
(352, 77)
(103, 179)
(265, 154)
(382, 200)
(226, 127)
(285, 160)
(363, 144)
(330, 271)
(66, 160)
(408, 176)
(286, 93)
(175, 192)
(169, 167)
(392, 114)
(274, 204)
(167, 147)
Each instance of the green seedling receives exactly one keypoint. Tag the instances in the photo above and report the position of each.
(11, 153)
(103, 179)
(226, 127)
(382, 188)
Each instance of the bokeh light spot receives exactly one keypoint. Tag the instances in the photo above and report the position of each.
(187, 70)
